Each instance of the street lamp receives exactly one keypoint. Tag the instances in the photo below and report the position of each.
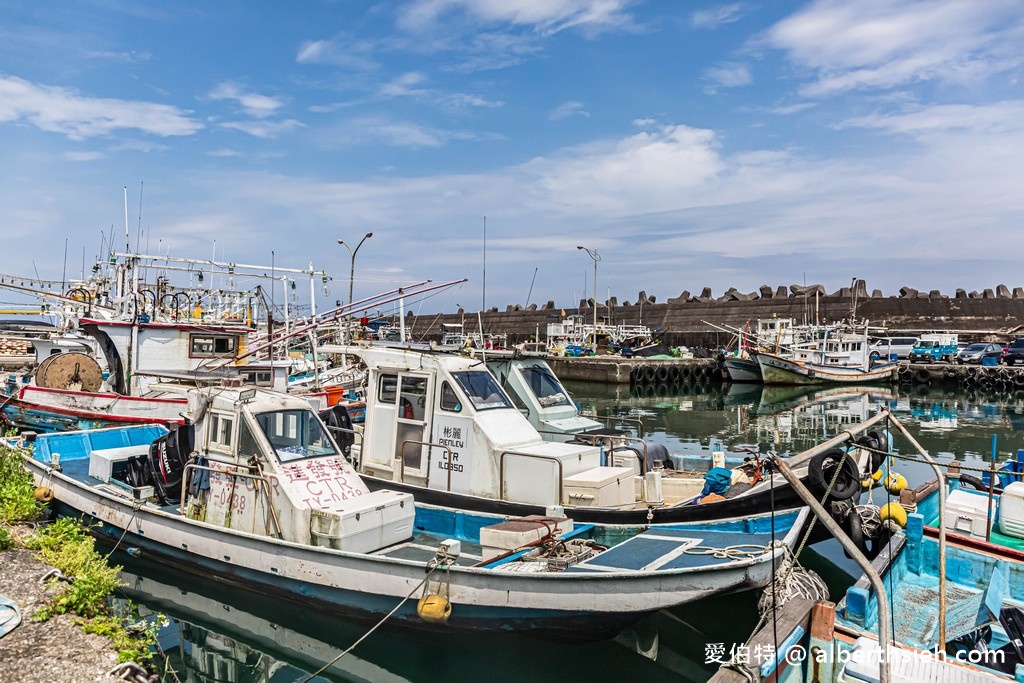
(352, 269)
(597, 257)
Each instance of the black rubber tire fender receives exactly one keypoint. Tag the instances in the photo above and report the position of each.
(821, 469)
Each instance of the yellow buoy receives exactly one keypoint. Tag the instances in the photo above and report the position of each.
(894, 511)
(43, 494)
(879, 473)
(434, 608)
(895, 482)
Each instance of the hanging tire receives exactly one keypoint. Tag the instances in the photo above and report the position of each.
(685, 374)
(649, 374)
(970, 481)
(822, 468)
(662, 375)
(635, 376)
(854, 531)
(922, 376)
(877, 442)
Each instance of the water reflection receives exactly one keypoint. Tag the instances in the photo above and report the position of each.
(946, 421)
(220, 632)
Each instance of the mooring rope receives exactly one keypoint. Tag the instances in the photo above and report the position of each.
(380, 623)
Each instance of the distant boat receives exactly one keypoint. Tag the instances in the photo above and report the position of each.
(827, 355)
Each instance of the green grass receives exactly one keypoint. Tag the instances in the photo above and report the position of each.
(66, 545)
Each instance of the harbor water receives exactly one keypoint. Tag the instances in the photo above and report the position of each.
(219, 632)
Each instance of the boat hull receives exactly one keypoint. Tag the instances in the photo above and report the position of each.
(743, 369)
(57, 410)
(568, 605)
(779, 370)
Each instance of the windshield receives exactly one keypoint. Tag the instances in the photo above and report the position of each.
(545, 387)
(924, 345)
(296, 434)
(482, 389)
(975, 347)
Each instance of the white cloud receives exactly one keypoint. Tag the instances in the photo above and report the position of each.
(567, 110)
(263, 129)
(888, 43)
(996, 119)
(544, 16)
(253, 104)
(730, 75)
(718, 16)
(64, 111)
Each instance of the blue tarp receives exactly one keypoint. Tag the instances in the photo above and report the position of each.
(717, 480)
(10, 617)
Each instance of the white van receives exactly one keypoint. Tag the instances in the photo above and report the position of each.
(887, 346)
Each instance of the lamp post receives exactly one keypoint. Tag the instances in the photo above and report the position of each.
(352, 269)
(594, 255)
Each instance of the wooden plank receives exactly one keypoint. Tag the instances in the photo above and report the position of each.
(795, 613)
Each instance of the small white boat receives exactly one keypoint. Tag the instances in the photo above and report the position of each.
(259, 493)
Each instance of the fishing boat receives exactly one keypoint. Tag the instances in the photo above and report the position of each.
(770, 334)
(928, 608)
(255, 491)
(440, 426)
(826, 355)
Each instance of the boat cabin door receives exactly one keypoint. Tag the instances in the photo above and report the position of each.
(408, 394)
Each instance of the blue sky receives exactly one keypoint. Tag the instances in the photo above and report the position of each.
(690, 144)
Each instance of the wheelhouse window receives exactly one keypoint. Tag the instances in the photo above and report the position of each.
(260, 378)
(482, 389)
(222, 427)
(209, 345)
(545, 386)
(450, 399)
(296, 434)
(387, 389)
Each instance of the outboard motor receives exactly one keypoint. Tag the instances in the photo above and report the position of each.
(164, 466)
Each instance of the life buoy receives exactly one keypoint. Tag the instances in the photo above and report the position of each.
(822, 468)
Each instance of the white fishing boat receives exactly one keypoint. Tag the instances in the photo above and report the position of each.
(827, 355)
(257, 492)
(440, 426)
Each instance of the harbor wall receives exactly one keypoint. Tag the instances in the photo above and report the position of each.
(992, 314)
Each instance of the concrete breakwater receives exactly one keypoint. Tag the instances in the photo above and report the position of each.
(995, 314)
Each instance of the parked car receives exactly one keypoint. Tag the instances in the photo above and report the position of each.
(887, 346)
(1015, 352)
(975, 353)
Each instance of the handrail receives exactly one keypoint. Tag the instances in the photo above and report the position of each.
(626, 440)
(184, 478)
(501, 470)
(401, 456)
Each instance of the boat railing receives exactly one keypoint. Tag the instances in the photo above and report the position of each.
(209, 468)
(609, 439)
(535, 456)
(401, 456)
